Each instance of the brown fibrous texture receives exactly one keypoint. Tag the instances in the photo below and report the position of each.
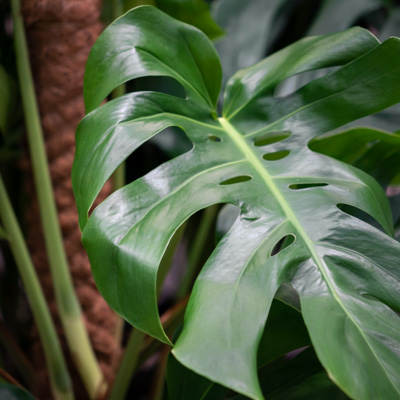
(60, 35)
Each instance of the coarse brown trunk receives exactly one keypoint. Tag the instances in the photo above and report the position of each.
(60, 35)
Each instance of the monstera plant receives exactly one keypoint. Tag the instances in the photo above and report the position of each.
(293, 229)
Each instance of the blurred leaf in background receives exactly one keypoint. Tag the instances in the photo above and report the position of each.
(12, 392)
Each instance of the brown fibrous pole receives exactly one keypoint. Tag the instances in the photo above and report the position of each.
(60, 35)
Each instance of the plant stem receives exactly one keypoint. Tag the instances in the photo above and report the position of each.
(6, 377)
(135, 349)
(138, 351)
(170, 320)
(197, 248)
(59, 377)
(67, 302)
(128, 365)
(159, 381)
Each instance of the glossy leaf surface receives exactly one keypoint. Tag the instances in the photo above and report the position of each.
(340, 266)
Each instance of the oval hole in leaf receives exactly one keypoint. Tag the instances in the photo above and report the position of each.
(270, 138)
(214, 138)
(300, 186)
(360, 214)
(237, 179)
(282, 244)
(277, 155)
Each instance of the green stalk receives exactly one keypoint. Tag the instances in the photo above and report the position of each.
(67, 302)
(128, 365)
(60, 381)
(159, 381)
(170, 320)
(197, 248)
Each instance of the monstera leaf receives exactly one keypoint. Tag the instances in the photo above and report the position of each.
(255, 156)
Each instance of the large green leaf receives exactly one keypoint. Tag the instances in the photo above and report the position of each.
(254, 156)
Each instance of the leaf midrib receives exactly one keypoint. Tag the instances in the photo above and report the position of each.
(254, 160)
